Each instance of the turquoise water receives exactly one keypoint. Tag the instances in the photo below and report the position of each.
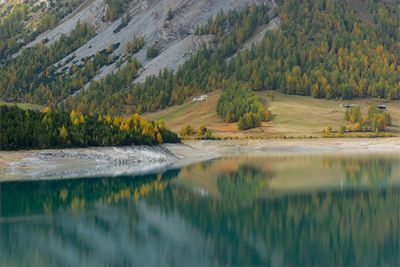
(332, 210)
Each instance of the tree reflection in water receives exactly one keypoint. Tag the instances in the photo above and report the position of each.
(376, 171)
(155, 220)
(242, 187)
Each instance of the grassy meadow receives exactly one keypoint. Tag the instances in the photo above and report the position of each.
(293, 115)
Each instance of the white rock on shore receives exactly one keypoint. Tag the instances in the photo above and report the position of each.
(88, 162)
(134, 160)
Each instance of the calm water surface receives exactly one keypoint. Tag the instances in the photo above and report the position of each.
(331, 210)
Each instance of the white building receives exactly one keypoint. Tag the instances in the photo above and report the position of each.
(200, 98)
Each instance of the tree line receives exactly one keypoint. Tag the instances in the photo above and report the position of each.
(28, 129)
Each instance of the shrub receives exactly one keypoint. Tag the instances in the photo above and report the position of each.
(124, 22)
(357, 127)
(152, 52)
(170, 14)
(187, 131)
(327, 130)
(134, 46)
(342, 129)
(202, 130)
(204, 133)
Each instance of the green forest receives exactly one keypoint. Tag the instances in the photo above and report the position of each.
(241, 105)
(31, 77)
(22, 129)
(22, 23)
(322, 49)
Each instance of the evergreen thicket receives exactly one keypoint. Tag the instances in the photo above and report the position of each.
(322, 49)
(152, 52)
(22, 129)
(238, 104)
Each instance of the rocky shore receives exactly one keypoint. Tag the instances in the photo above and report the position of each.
(134, 160)
(87, 162)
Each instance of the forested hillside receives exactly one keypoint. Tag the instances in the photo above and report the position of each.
(20, 24)
(201, 73)
(322, 48)
(31, 77)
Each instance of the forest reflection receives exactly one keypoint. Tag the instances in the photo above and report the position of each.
(282, 210)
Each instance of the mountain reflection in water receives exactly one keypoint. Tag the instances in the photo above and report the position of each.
(282, 210)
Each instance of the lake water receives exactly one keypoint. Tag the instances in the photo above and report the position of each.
(323, 210)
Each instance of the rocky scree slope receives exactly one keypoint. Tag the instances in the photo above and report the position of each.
(174, 37)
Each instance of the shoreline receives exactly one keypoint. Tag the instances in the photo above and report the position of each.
(200, 150)
(50, 164)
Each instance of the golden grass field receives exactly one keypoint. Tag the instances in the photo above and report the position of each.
(293, 116)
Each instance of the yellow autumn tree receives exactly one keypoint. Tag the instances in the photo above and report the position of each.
(116, 121)
(108, 119)
(63, 133)
(47, 109)
(81, 119)
(72, 115)
(159, 138)
(125, 127)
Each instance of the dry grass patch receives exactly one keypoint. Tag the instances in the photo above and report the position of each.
(296, 116)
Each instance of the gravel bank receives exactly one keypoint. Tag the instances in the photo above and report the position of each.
(112, 161)
(87, 162)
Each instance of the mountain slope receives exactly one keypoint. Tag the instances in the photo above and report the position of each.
(175, 37)
(149, 55)
(321, 49)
